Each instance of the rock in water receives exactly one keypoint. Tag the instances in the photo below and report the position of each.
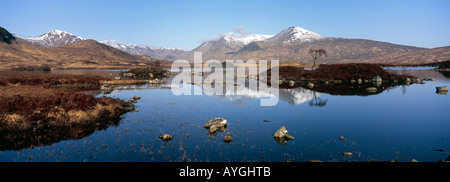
(136, 98)
(166, 137)
(291, 83)
(377, 79)
(281, 136)
(227, 139)
(216, 124)
(341, 138)
(371, 89)
(442, 90)
(347, 154)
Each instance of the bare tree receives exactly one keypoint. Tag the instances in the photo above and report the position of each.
(317, 101)
(316, 54)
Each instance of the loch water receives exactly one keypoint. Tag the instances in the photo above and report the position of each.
(401, 123)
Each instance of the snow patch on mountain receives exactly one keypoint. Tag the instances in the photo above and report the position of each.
(289, 35)
(295, 34)
(53, 38)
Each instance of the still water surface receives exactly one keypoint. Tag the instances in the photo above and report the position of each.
(401, 123)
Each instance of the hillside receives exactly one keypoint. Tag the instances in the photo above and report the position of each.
(81, 54)
(292, 44)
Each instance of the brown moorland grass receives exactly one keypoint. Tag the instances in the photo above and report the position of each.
(39, 100)
(124, 82)
(77, 82)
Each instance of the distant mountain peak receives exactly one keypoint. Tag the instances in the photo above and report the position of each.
(52, 38)
(236, 39)
(295, 34)
(158, 53)
(244, 39)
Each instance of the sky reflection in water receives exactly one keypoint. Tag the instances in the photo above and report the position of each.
(401, 123)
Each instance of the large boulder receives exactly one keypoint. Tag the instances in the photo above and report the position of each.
(216, 124)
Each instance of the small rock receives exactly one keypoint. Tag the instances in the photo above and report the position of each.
(341, 138)
(314, 160)
(416, 80)
(187, 135)
(227, 139)
(216, 124)
(371, 89)
(131, 101)
(377, 79)
(443, 90)
(414, 160)
(281, 136)
(166, 137)
(106, 87)
(347, 154)
(291, 83)
(156, 81)
(136, 98)
(310, 85)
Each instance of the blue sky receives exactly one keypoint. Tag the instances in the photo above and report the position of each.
(185, 23)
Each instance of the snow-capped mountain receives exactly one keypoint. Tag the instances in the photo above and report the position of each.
(132, 49)
(241, 40)
(157, 53)
(229, 45)
(289, 35)
(53, 38)
(295, 34)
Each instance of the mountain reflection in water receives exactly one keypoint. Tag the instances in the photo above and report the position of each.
(316, 117)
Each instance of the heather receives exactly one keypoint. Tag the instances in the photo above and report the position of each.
(39, 100)
(71, 82)
(344, 72)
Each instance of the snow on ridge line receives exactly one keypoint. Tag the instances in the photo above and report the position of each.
(117, 44)
(245, 39)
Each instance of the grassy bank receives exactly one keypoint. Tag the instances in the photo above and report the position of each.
(40, 100)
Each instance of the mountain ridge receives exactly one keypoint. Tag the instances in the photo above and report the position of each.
(52, 38)
(80, 54)
(288, 46)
